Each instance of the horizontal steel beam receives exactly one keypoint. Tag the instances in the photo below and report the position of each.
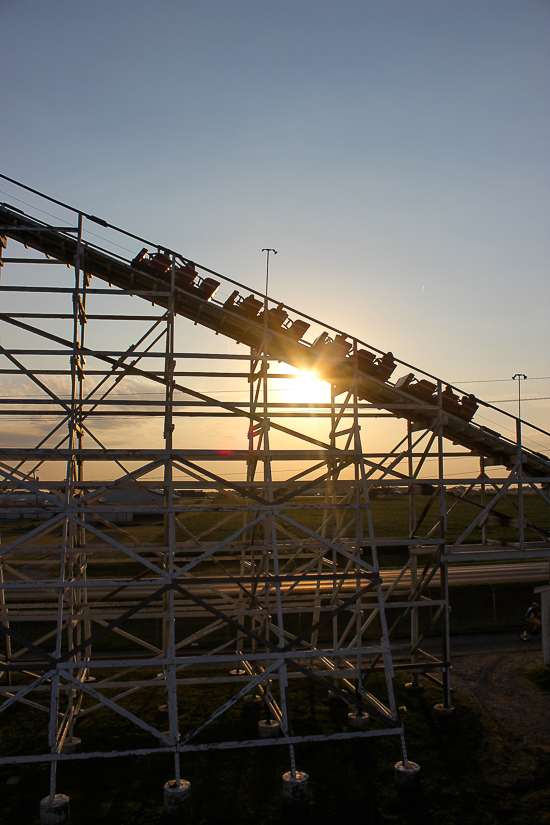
(259, 743)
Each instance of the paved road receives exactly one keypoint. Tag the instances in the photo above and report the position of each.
(485, 573)
(483, 643)
(458, 574)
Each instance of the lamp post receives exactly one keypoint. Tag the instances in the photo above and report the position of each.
(519, 376)
(265, 296)
(265, 366)
(267, 268)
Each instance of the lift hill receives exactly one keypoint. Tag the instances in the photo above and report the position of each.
(335, 359)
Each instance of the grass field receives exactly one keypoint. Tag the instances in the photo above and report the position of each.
(350, 781)
(477, 608)
(390, 516)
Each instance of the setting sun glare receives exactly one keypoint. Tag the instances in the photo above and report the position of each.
(306, 388)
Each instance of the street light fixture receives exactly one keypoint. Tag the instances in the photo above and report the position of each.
(519, 376)
(265, 296)
(267, 266)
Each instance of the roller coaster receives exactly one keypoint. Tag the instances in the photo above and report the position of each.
(243, 319)
(296, 591)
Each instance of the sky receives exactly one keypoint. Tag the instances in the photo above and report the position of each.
(394, 152)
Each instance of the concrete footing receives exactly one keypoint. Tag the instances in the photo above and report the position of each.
(414, 688)
(55, 811)
(406, 777)
(443, 712)
(71, 744)
(268, 730)
(296, 789)
(253, 701)
(177, 798)
(358, 721)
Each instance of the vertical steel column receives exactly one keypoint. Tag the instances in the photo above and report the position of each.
(57, 735)
(359, 534)
(483, 498)
(521, 518)
(414, 558)
(248, 560)
(85, 627)
(444, 569)
(247, 565)
(169, 643)
(386, 649)
(4, 613)
(332, 481)
(77, 558)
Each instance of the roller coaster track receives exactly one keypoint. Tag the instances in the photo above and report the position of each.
(338, 361)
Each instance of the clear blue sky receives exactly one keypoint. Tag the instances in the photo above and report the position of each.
(394, 152)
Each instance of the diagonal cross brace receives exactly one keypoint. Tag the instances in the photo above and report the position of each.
(329, 616)
(330, 544)
(218, 712)
(114, 623)
(9, 631)
(243, 491)
(17, 697)
(348, 696)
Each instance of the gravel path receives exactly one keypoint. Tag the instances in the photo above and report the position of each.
(518, 711)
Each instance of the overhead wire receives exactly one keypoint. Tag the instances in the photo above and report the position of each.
(495, 380)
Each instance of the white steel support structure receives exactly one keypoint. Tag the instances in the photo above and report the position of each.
(270, 564)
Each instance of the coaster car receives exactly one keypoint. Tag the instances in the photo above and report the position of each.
(467, 407)
(207, 287)
(157, 264)
(295, 330)
(381, 367)
(275, 317)
(464, 407)
(185, 275)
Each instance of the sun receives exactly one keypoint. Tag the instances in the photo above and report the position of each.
(306, 388)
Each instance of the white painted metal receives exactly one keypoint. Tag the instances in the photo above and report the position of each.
(259, 583)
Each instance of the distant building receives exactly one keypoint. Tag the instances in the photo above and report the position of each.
(25, 506)
(22, 505)
(146, 501)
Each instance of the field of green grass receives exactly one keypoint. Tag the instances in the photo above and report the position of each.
(477, 608)
(390, 516)
(350, 781)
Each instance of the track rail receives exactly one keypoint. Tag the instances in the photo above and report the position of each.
(340, 361)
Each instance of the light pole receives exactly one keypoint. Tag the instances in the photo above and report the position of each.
(265, 364)
(267, 268)
(265, 296)
(519, 376)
